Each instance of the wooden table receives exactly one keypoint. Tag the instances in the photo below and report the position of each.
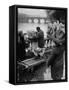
(30, 64)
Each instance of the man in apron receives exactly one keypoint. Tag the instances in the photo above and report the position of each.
(40, 37)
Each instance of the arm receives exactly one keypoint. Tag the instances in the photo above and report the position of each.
(55, 39)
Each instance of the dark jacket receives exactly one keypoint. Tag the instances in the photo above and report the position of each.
(40, 37)
(21, 49)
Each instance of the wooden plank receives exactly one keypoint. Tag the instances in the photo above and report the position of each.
(33, 62)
